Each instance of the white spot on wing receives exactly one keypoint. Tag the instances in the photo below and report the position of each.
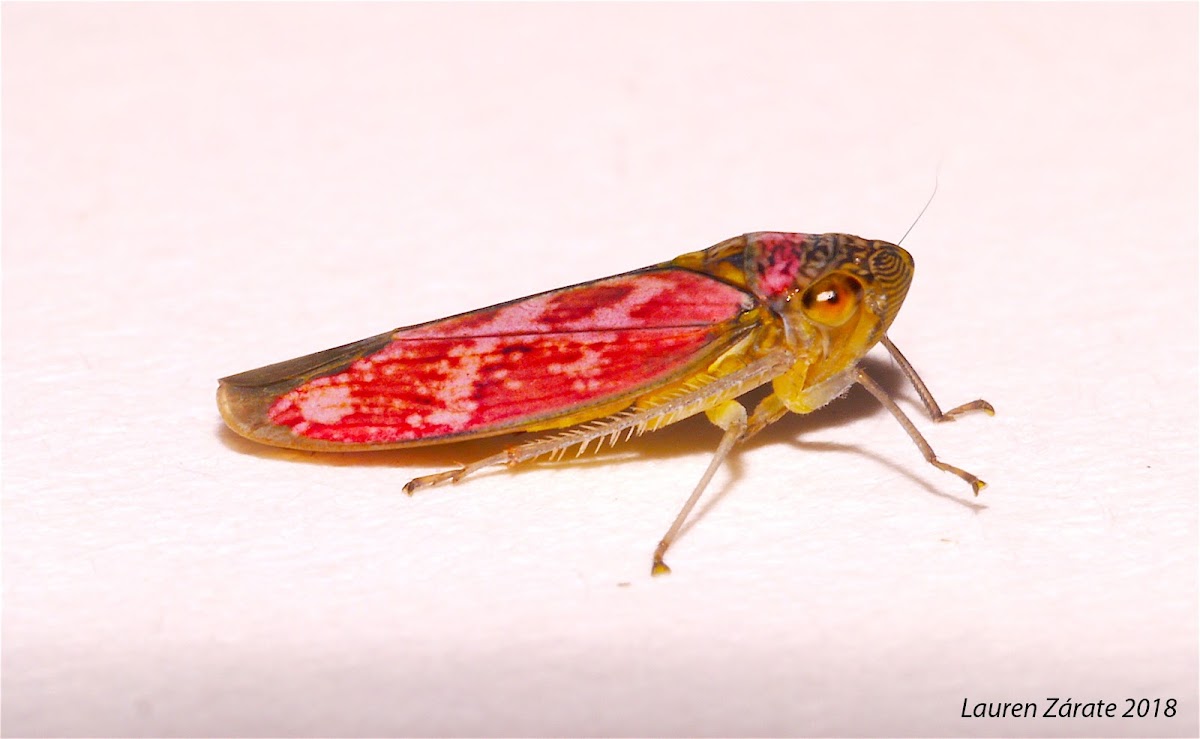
(327, 405)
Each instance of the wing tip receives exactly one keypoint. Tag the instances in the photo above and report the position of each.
(243, 410)
(244, 399)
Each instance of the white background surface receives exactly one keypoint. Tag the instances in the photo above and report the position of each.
(194, 191)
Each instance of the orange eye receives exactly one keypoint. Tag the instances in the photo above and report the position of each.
(833, 299)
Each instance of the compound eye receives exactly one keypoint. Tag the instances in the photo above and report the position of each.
(833, 299)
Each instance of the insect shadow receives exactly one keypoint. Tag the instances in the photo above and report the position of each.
(688, 437)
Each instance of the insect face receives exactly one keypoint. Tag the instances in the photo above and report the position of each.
(842, 301)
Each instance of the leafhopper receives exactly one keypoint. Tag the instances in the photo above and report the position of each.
(609, 359)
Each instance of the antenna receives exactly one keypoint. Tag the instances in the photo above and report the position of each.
(927, 204)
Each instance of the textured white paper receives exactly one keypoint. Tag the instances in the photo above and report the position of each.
(192, 191)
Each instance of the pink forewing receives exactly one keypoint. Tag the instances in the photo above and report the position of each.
(532, 359)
